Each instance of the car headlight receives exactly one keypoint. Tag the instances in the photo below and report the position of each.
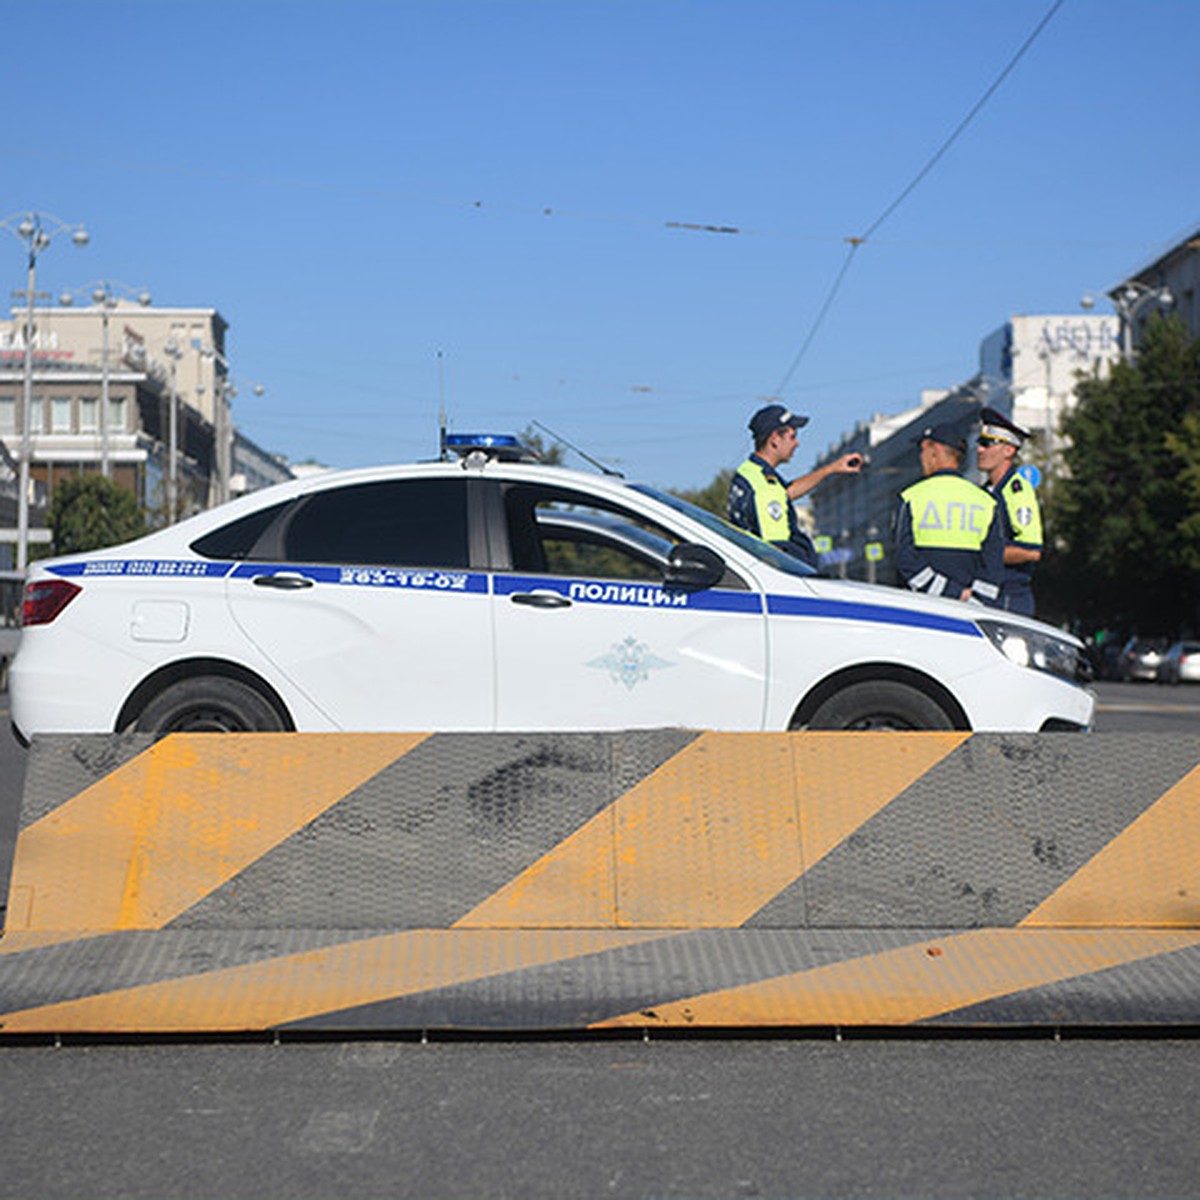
(1038, 651)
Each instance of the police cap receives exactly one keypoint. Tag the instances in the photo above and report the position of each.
(773, 417)
(998, 428)
(946, 434)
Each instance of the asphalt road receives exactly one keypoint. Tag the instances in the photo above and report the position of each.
(974, 1116)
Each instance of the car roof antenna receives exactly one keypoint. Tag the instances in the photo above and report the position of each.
(586, 457)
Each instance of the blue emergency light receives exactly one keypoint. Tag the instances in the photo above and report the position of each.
(503, 446)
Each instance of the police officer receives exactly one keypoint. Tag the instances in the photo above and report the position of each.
(760, 500)
(1000, 442)
(948, 541)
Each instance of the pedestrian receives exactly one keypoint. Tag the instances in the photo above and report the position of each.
(948, 541)
(760, 500)
(1000, 442)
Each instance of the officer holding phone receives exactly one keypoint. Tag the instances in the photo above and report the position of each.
(760, 500)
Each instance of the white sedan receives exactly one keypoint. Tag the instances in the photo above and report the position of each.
(488, 594)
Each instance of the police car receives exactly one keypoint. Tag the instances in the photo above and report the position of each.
(488, 592)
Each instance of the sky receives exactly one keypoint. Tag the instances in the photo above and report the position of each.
(621, 219)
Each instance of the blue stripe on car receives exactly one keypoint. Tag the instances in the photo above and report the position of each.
(142, 568)
(846, 610)
(425, 579)
(611, 592)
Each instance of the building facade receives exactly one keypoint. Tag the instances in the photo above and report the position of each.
(1031, 368)
(1171, 283)
(165, 432)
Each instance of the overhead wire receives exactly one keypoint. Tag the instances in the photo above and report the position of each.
(856, 243)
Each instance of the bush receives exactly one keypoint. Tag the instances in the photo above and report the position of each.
(89, 512)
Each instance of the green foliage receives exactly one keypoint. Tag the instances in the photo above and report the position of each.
(551, 455)
(1185, 447)
(1126, 517)
(89, 512)
(713, 497)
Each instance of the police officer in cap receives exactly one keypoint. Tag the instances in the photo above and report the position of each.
(1000, 442)
(760, 500)
(948, 541)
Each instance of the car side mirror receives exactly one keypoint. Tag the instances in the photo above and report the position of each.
(693, 568)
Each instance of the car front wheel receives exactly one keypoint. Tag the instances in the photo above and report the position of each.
(879, 704)
(209, 704)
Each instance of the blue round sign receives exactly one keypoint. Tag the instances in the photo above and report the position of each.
(1030, 474)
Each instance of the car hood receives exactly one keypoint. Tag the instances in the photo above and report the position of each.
(854, 592)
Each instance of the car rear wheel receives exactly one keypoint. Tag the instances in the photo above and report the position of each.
(879, 704)
(209, 704)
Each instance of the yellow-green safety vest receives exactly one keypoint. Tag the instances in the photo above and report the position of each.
(1024, 512)
(771, 503)
(949, 513)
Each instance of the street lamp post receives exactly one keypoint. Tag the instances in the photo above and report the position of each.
(37, 231)
(174, 353)
(106, 299)
(1130, 301)
(223, 392)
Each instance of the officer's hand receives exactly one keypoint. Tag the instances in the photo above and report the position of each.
(850, 464)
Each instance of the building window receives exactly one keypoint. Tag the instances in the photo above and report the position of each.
(116, 414)
(89, 414)
(37, 415)
(8, 415)
(60, 414)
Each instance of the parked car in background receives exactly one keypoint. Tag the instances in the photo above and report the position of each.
(1140, 658)
(1180, 663)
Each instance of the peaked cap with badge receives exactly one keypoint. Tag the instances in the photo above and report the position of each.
(999, 428)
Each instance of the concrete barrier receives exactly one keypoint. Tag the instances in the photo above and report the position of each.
(667, 878)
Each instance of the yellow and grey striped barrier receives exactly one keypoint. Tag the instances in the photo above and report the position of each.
(590, 881)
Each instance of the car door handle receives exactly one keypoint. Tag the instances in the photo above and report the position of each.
(284, 581)
(541, 599)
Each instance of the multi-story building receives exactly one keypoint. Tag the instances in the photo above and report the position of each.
(166, 432)
(1170, 283)
(1031, 367)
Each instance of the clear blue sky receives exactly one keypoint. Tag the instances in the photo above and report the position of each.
(362, 187)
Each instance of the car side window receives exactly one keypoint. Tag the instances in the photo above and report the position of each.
(566, 533)
(238, 539)
(571, 551)
(398, 522)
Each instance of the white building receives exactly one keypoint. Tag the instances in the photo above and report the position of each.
(1031, 366)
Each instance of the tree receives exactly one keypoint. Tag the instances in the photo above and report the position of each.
(1125, 519)
(89, 512)
(551, 455)
(714, 496)
(1185, 446)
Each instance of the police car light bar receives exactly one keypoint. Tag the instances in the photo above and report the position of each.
(502, 446)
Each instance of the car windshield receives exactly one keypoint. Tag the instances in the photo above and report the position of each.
(761, 550)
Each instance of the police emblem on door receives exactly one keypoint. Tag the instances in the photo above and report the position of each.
(630, 662)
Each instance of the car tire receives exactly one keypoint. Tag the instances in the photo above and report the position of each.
(209, 704)
(879, 704)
